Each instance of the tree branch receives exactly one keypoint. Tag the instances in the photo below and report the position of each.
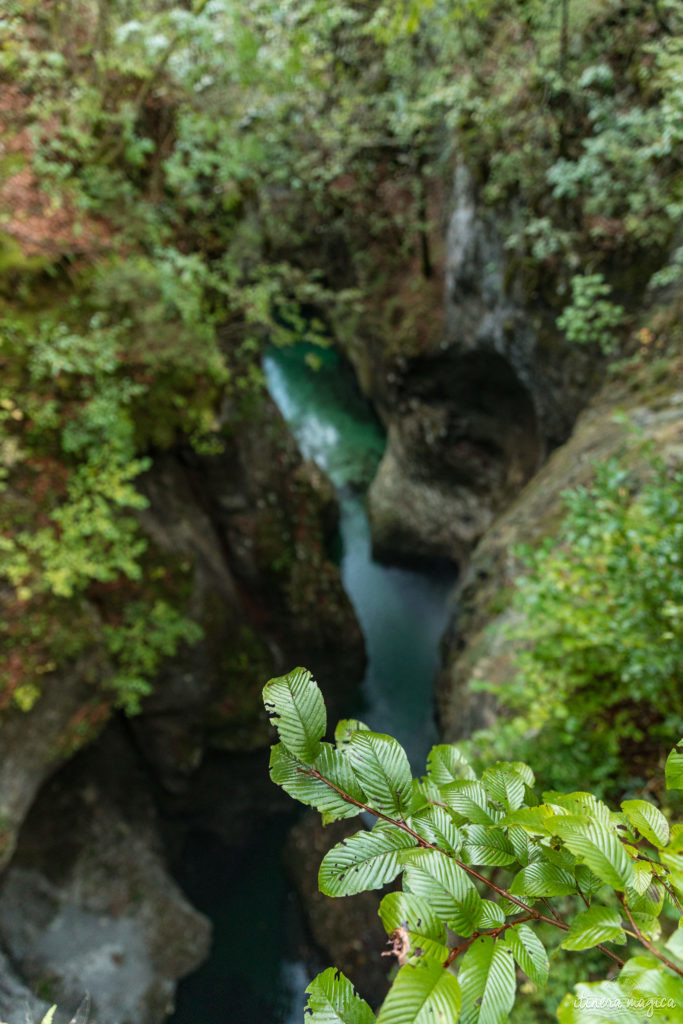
(399, 823)
(648, 945)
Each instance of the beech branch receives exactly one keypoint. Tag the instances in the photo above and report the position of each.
(532, 914)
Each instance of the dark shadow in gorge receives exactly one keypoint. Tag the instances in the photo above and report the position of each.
(467, 419)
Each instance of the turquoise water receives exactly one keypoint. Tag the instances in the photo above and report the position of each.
(402, 612)
(333, 424)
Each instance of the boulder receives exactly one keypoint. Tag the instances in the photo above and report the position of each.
(87, 906)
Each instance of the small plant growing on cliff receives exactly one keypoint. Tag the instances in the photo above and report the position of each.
(591, 318)
(462, 931)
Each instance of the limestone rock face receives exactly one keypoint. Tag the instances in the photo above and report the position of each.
(254, 521)
(87, 906)
(18, 1002)
(473, 414)
(36, 743)
(476, 646)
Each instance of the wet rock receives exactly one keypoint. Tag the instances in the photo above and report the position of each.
(472, 415)
(18, 1004)
(35, 743)
(87, 905)
(256, 524)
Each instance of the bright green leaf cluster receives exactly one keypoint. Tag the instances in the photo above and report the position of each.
(460, 932)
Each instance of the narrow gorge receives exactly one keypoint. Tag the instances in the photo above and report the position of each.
(324, 329)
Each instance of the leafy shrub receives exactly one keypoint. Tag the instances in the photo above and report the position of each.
(444, 833)
(600, 640)
(590, 318)
(138, 644)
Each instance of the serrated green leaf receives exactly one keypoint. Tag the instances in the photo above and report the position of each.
(487, 846)
(597, 847)
(345, 729)
(523, 848)
(674, 944)
(604, 1002)
(649, 821)
(529, 952)
(505, 784)
(490, 916)
(561, 858)
(332, 999)
(469, 801)
(626, 829)
(534, 820)
(446, 764)
(286, 771)
(437, 826)
(648, 925)
(464, 919)
(366, 860)
(648, 902)
(592, 926)
(297, 710)
(422, 993)
(427, 933)
(655, 986)
(522, 769)
(676, 840)
(437, 879)
(424, 794)
(334, 766)
(587, 882)
(382, 769)
(487, 980)
(49, 1016)
(580, 804)
(542, 879)
(508, 907)
(674, 862)
(674, 767)
(642, 876)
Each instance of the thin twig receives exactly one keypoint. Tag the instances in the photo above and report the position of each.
(493, 933)
(648, 945)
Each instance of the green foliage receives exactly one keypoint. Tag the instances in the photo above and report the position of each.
(590, 318)
(66, 426)
(571, 865)
(138, 644)
(332, 998)
(600, 645)
(70, 432)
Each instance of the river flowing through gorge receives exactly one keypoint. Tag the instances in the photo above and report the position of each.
(402, 613)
